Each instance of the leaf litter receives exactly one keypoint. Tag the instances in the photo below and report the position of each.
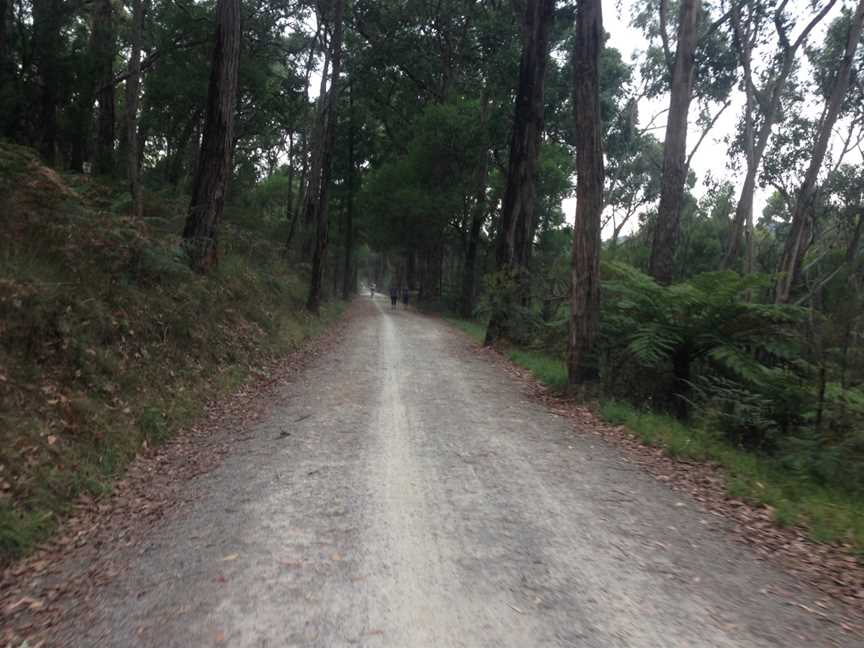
(98, 540)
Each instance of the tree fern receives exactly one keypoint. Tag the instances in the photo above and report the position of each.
(706, 321)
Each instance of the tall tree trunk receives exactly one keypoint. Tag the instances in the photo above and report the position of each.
(313, 303)
(48, 19)
(478, 216)
(304, 147)
(200, 235)
(349, 208)
(6, 66)
(313, 182)
(746, 34)
(675, 146)
(103, 66)
(10, 102)
(181, 149)
(289, 199)
(585, 257)
(796, 243)
(517, 212)
(141, 138)
(132, 84)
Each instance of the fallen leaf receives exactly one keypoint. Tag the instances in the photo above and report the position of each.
(291, 563)
(231, 557)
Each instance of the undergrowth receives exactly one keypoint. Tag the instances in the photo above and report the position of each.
(828, 513)
(109, 341)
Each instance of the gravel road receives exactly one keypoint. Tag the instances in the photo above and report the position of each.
(405, 493)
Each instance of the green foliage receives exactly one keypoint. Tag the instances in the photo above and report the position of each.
(706, 318)
(110, 341)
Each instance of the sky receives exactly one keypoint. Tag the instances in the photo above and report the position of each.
(712, 157)
(711, 160)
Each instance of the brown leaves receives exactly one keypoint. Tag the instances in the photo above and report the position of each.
(57, 584)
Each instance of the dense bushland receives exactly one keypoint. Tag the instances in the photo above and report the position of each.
(109, 341)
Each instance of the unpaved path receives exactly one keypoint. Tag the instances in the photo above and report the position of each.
(406, 494)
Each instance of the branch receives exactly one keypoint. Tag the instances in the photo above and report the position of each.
(716, 24)
(151, 59)
(664, 36)
(815, 21)
(705, 132)
(778, 26)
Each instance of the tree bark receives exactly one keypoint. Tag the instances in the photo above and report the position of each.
(517, 212)
(200, 235)
(796, 244)
(48, 19)
(478, 217)
(585, 257)
(313, 182)
(181, 149)
(661, 264)
(349, 207)
(313, 303)
(103, 46)
(10, 104)
(132, 86)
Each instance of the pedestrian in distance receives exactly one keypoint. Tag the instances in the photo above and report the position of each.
(394, 296)
(406, 296)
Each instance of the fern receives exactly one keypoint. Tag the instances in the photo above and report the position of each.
(705, 322)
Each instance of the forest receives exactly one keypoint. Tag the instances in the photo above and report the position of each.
(678, 226)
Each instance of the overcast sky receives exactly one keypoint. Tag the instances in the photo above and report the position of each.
(712, 157)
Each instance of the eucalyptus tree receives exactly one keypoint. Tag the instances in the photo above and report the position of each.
(798, 238)
(702, 66)
(133, 83)
(585, 258)
(764, 95)
(517, 211)
(321, 184)
(200, 233)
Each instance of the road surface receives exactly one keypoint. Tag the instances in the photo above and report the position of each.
(405, 493)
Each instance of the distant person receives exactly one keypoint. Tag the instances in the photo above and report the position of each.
(372, 291)
(406, 296)
(394, 296)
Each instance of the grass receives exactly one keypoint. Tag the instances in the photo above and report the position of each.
(474, 329)
(109, 341)
(548, 370)
(829, 514)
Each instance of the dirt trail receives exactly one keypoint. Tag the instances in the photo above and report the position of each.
(406, 494)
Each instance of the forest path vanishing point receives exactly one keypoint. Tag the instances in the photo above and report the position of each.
(406, 493)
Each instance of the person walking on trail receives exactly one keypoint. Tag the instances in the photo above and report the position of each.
(405, 297)
(394, 296)
(372, 291)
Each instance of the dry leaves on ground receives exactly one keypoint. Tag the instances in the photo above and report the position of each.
(93, 545)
